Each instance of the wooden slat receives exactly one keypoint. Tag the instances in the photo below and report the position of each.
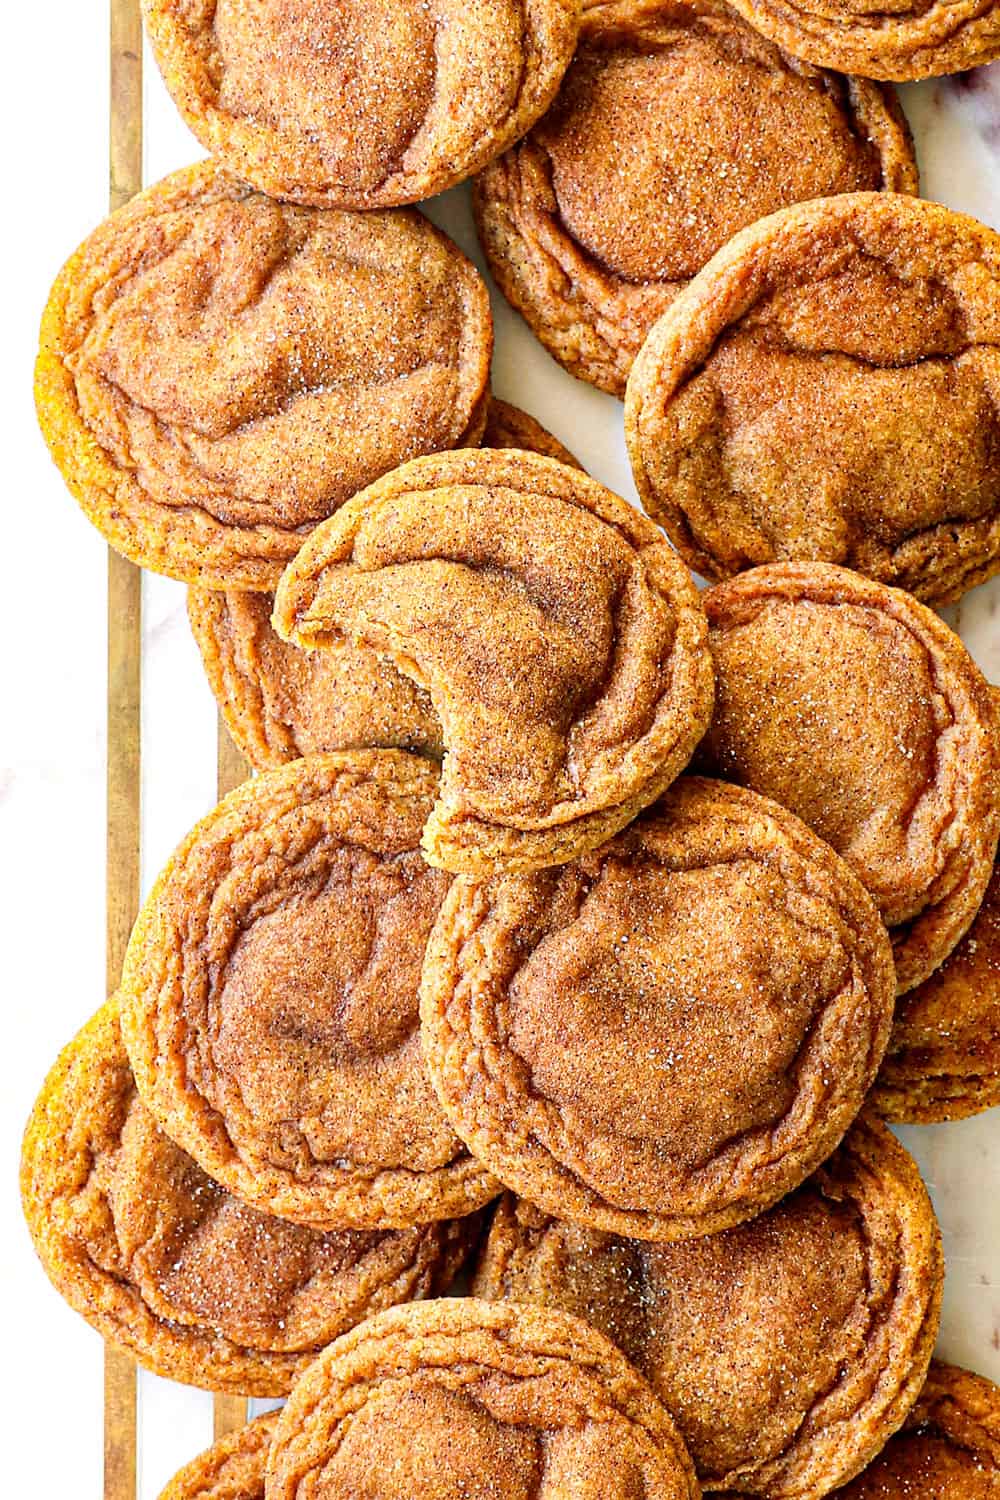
(229, 1413)
(124, 687)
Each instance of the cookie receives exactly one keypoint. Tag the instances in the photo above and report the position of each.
(232, 1469)
(507, 426)
(943, 1060)
(915, 39)
(464, 1398)
(218, 372)
(826, 389)
(561, 641)
(856, 707)
(270, 998)
(676, 125)
(350, 104)
(666, 1036)
(169, 1266)
(279, 702)
(948, 1449)
(787, 1349)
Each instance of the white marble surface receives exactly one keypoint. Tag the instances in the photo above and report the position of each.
(52, 725)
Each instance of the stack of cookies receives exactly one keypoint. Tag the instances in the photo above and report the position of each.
(581, 929)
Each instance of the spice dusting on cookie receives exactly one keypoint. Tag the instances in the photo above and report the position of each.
(826, 390)
(218, 371)
(561, 641)
(360, 103)
(676, 125)
(169, 1266)
(667, 1035)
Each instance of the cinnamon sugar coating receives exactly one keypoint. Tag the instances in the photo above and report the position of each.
(943, 1060)
(270, 998)
(788, 1349)
(219, 372)
(948, 1448)
(856, 707)
(279, 702)
(912, 39)
(666, 1036)
(560, 639)
(232, 1469)
(169, 1266)
(676, 125)
(464, 1398)
(360, 103)
(828, 389)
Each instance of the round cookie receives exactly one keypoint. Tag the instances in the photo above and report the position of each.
(856, 707)
(913, 39)
(164, 1263)
(355, 104)
(828, 389)
(948, 1448)
(787, 1349)
(279, 702)
(232, 1469)
(666, 1036)
(270, 998)
(943, 1059)
(463, 1398)
(559, 637)
(218, 372)
(676, 125)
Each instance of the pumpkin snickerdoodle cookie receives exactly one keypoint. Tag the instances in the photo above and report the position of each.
(279, 702)
(270, 998)
(943, 1059)
(909, 40)
(360, 103)
(860, 710)
(828, 388)
(787, 1349)
(561, 641)
(232, 1469)
(676, 125)
(168, 1265)
(464, 1398)
(218, 372)
(948, 1448)
(666, 1036)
